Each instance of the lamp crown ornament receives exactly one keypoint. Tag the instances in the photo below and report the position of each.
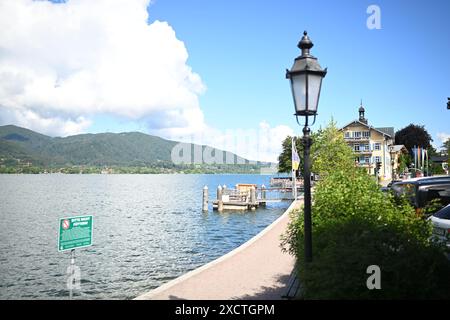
(305, 44)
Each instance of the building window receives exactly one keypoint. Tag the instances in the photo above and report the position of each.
(366, 147)
(377, 146)
(366, 134)
(364, 160)
(356, 147)
(377, 159)
(347, 134)
(357, 134)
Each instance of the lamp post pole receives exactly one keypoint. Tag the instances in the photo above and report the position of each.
(392, 170)
(306, 80)
(307, 141)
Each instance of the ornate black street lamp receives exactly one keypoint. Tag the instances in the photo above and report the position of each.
(306, 80)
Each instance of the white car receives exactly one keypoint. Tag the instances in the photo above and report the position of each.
(441, 225)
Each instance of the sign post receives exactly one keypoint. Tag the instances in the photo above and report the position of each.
(74, 232)
(71, 282)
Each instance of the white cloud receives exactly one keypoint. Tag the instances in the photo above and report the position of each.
(60, 64)
(443, 137)
(30, 119)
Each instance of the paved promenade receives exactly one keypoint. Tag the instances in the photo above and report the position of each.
(255, 270)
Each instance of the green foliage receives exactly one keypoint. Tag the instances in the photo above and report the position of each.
(446, 151)
(355, 225)
(285, 157)
(131, 152)
(433, 168)
(432, 206)
(404, 161)
(413, 135)
(329, 151)
(411, 268)
(446, 147)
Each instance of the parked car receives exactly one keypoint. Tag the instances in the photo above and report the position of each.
(420, 191)
(441, 225)
(389, 186)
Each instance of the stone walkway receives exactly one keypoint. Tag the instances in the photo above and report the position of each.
(255, 270)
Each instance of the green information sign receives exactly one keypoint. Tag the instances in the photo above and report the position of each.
(75, 232)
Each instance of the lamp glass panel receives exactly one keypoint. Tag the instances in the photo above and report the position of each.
(314, 84)
(298, 85)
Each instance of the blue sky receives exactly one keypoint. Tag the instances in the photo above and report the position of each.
(242, 48)
(175, 68)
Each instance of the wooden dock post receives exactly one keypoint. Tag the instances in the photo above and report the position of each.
(205, 198)
(253, 198)
(219, 199)
(263, 195)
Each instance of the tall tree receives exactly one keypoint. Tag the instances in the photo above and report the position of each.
(285, 157)
(329, 151)
(446, 147)
(413, 135)
(446, 151)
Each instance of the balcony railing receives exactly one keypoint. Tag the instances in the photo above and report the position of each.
(357, 138)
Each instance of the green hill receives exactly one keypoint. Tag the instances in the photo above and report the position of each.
(130, 149)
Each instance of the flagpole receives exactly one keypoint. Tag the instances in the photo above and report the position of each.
(423, 161)
(418, 158)
(415, 160)
(294, 185)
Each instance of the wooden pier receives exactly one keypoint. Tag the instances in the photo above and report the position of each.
(246, 196)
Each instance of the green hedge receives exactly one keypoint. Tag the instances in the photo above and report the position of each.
(355, 225)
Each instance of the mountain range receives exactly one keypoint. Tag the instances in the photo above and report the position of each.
(101, 149)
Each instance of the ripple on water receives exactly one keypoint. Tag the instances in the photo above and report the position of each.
(142, 238)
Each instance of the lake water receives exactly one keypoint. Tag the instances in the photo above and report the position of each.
(148, 229)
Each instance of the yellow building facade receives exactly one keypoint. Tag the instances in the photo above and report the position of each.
(371, 145)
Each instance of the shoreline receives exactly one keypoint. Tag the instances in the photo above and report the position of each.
(257, 269)
(138, 173)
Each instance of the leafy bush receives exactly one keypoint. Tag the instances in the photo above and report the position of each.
(330, 152)
(355, 225)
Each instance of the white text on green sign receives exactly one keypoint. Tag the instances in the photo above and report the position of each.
(75, 232)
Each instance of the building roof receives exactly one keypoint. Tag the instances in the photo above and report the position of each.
(391, 129)
(398, 148)
(388, 130)
(438, 158)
